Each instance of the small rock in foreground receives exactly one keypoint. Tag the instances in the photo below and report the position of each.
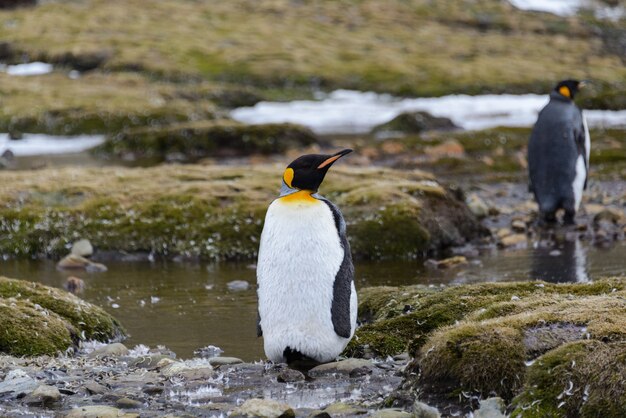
(290, 376)
(342, 366)
(98, 411)
(264, 408)
(238, 285)
(110, 350)
(44, 395)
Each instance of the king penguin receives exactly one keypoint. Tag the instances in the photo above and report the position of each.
(558, 154)
(305, 275)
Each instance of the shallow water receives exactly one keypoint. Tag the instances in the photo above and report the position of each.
(186, 306)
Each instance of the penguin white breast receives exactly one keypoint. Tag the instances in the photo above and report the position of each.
(579, 180)
(299, 256)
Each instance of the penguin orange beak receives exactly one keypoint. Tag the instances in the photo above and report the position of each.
(334, 158)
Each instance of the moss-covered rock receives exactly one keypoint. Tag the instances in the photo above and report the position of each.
(37, 319)
(412, 123)
(217, 212)
(479, 339)
(192, 141)
(582, 379)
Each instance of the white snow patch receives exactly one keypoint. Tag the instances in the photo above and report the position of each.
(354, 112)
(571, 7)
(557, 7)
(40, 144)
(31, 68)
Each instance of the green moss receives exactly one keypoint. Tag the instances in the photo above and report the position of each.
(585, 378)
(36, 319)
(398, 231)
(410, 314)
(28, 331)
(217, 212)
(475, 358)
(203, 139)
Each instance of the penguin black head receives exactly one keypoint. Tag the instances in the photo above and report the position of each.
(569, 88)
(307, 172)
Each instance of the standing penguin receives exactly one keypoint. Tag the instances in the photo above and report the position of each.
(558, 154)
(307, 299)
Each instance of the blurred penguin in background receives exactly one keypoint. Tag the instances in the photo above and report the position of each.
(558, 154)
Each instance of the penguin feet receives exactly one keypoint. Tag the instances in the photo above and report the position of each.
(568, 218)
(547, 219)
(298, 361)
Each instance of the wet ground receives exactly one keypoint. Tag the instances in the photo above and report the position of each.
(186, 306)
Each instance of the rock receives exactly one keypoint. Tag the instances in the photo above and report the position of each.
(290, 376)
(343, 366)
(82, 248)
(95, 388)
(593, 208)
(7, 159)
(127, 403)
(148, 362)
(610, 215)
(451, 148)
(77, 262)
(515, 240)
(207, 138)
(98, 411)
(503, 232)
(110, 350)
(412, 122)
(477, 205)
(44, 395)
(421, 410)
(341, 409)
(391, 413)
(193, 372)
(74, 285)
(224, 361)
(446, 263)
(363, 371)
(173, 368)
(264, 408)
(17, 383)
(491, 408)
(518, 225)
(152, 390)
(238, 285)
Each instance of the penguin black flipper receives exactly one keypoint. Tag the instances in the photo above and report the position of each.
(259, 330)
(342, 288)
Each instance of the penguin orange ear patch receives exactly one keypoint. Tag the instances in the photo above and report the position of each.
(288, 176)
(565, 91)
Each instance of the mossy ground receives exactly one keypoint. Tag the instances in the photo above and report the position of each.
(217, 212)
(492, 154)
(195, 140)
(145, 67)
(477, 338)
(36, 319)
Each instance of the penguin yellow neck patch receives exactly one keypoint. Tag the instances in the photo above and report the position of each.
(565, 92)
(302, 196)
(288, 176)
